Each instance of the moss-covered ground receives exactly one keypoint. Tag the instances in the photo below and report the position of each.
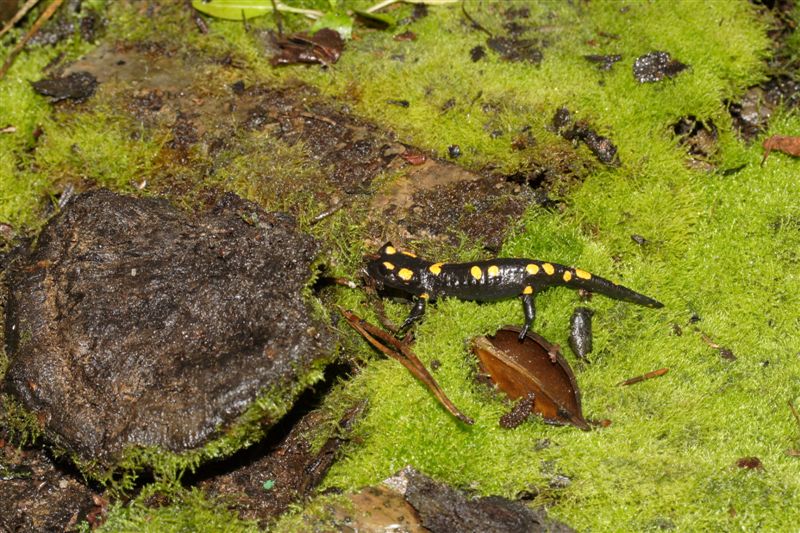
(721, 252)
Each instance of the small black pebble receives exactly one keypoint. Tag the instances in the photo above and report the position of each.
(454, 150)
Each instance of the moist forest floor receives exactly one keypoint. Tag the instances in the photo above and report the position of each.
(680, 209)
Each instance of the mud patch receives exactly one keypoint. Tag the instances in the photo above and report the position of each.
(131, 323)
(264, 488)
(440, 201)
(37, 495)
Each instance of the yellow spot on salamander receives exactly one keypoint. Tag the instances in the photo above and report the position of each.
(532, 269)
(436, 268)
(409, 254)
(390, 250)
(582, 274)
(405, 274)
(567, 275)
(527, 290)
(547, 267)
(476, 272)
(424, 295)
(493, 271)
(388, 265)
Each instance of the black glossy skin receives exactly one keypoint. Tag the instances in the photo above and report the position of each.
(494, 279)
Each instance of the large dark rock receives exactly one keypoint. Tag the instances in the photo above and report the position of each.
(133, 323)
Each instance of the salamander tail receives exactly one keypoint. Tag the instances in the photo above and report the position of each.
(575, 277)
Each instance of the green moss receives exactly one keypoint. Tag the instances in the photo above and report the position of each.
(20, 427)
(189, 511)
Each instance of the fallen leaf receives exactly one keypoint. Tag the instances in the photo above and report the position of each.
(782, 143)
(324, 47)
(532, 366)
(644, 377)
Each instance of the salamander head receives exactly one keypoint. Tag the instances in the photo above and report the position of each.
(390, 267)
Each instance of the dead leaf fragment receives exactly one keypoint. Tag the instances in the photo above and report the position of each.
(789, 145)
(324, 47)
(533, 366)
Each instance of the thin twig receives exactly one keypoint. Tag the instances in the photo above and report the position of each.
(44, 17)
(16, 18)
(794, 412)
(396, 349)
(643, 377)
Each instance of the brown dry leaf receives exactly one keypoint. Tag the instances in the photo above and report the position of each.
(532, 366)
(782, 143)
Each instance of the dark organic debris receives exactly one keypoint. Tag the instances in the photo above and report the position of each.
(454, 151)
(602, 147)
(406, 36)
(477, 53)
(77, 86)
(399, 350)
(512, 49)
(443, 509)
(725, 353)
(37, 495)
(519, 413)
(638, 239)
(750, 463)
(655, 66)
(700, 138)
(133, 323)
(603, 62)
(399, 103)
(643, 377)
(532, 366)
(324, 47)
(267, 485)
(580, 332)
(789, 145)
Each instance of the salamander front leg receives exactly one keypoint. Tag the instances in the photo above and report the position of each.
(530, 314)
(416, 313)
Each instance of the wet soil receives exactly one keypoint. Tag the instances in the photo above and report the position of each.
(37, 494)
(132, 323)
(261, 484)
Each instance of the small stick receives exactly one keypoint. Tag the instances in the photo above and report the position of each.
(643, 377)
(44, 17)
(794, 412)
(16, 18)
(400, 351)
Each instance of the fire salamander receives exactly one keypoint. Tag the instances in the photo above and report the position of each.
(493, 279)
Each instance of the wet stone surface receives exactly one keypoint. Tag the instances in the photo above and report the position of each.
(443, 509)
(133, 323)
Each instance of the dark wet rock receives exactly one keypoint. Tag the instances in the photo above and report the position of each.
(603, 62)
(751, 114)
(36, 495)
(512, 49)
(655, 66)
(266, 485)
(603, 149)
(77, 86)
(132, 323)
(445, 509)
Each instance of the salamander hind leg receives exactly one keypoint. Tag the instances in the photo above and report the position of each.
(530, 313)
(416, 313)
